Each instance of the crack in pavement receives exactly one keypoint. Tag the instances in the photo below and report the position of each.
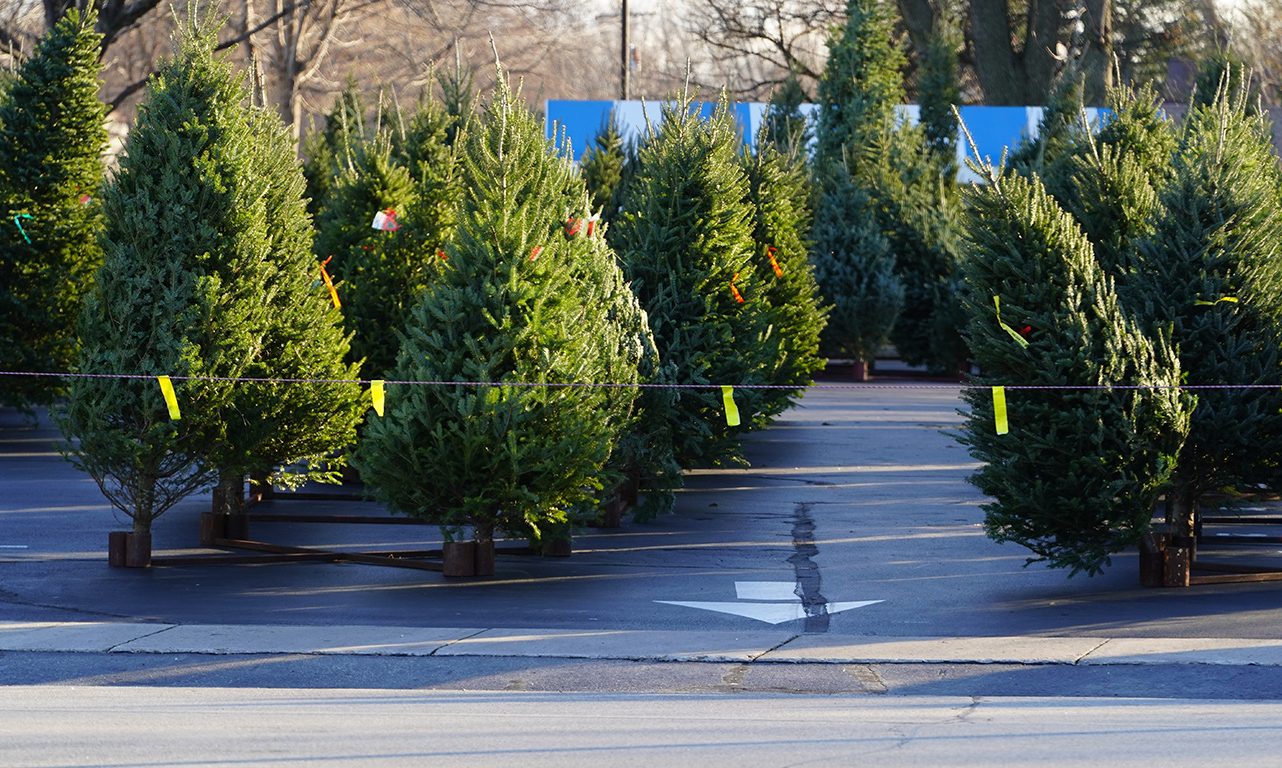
(806, 569)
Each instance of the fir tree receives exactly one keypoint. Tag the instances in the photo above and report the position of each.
(1112, 186)
(366, 261)
(207, 274)
(939, 90)
(1077, 476)
(531, 303)
(779, 190)
(854, 269)
(603, 167)
(686, 245)
(784, 126)
(327, 152)
(1211, 275)
(892, 168)
(387, 272)
(862, 82)
(1060, 135)
(51, 143)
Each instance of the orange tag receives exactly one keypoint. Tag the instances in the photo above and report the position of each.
(770, 251)
(441, 255)
(333, 294)
(535, 251)
(737, 296)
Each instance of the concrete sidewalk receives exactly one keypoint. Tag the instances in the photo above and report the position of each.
(643, 645)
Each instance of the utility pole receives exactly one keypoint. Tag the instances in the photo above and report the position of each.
(625, 75)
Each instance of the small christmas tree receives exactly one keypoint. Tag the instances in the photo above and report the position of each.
(330, 150)
(854, 269)
(1210, 274)
(603, 169)
(784, 126)
(939, 89)
(779, 190)
(862, 82)
(529, 305)
(52, 137)
(207, 275)
(1076, 476)
(685, 241)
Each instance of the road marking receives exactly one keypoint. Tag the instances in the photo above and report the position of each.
(765, 590)
(770, 613)
(14, 546)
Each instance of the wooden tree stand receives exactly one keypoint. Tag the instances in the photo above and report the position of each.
(128, 550)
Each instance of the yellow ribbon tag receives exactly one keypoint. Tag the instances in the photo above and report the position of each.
(1205, 303)
(376, 394)
(999, 410)
(732, 410)
(1014, 334)
(171, 400)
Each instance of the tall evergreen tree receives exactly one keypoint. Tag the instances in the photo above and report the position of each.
(685, 241)
(1211, 275)
(208, 275)
(327, 152)
(52, 137)
(854, 268)
(603, 168)
(1076, 477)
(939, 89)
(784, 126)
(532, 305)
(779, 190)
(891, 164)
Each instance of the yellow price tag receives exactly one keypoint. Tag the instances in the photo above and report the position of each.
(171, 399)
(376, 394)
(732, 410)
(999, 410)
(1014, 334)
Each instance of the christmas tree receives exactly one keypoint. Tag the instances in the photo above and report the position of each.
(328, 151)
(1073, 474)
(855, 270)
(779, 190)
(603, 168)
(784, 126)
(1210, 275)
(208, 275)
(891, 165)
(51, 143)
(939, 89)
(529, 305)
(685, 241)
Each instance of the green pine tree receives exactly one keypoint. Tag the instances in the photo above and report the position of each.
(1112, 187)
(530, 304)
(854, 268)
(603, 167)
(1061, 135)
(685, 241)
(861, 85)
(1078, 474)
(52, 137)
(207, 274)
(891, 164)
(783, 124)
(779, 190)
(327, 152)
(1210, 274)
(939, 89)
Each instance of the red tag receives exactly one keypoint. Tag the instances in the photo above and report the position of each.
(572, 227)
(441, 255)
(535, 251)
(84, 199)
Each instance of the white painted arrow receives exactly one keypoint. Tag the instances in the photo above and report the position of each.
(785, 605)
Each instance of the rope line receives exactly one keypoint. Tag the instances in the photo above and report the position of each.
(637, 385)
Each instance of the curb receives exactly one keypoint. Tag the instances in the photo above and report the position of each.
(632, 645)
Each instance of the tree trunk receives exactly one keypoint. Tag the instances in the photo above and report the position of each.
(1001, 77)
(1097, 53)
(859, 371)
(1182, 548)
